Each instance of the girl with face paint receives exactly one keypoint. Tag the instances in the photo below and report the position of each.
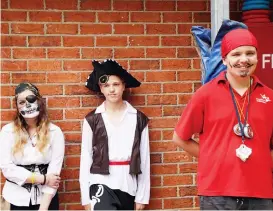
(32, 151)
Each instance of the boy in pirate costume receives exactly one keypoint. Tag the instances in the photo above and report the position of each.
(115, 156)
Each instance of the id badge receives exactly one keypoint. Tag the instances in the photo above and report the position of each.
(243, 152)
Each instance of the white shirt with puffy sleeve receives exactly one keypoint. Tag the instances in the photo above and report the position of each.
(53, 155)
(120, 143)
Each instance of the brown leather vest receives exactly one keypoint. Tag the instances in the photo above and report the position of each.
(100, 163)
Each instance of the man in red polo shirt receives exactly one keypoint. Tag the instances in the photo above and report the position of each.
(233, 115)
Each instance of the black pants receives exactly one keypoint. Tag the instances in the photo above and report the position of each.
(234, 203)
(54, 205)
(104, 198)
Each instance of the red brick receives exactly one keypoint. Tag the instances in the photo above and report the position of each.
(78, 41)
(128, 28)
(63, 53)
(44, 41)
(63, 77)
(160, 5)
(160, 76)
(4, 28)
(63, 102)
(7, 115)
(154, 204)
(176, 64)
(72, 185)
(188, 168)
(97, 53)
(156, 158)
(61, 5)
(160, 52)
(13, 16)
(189, 76)
(69, 197)
(187, 53)
(45, 65)
(96, 29)
(176, 40)
(7, 90)
(28, 53)
(177, 87)
(77, 65)
(96, 5)
(27, 4)
(73, 137)
(172, 111)
(163, 123)
(45, 16)
(91, 101)
(147, 89)
(164, 169)
(30, 77)
(186, 28)
(113, 17)
(27, 28)
(144, 40)
(62, 29)
(155, 135)
(161, 99)
(76, 113)
(201, 17)
(111, 41)
(73, 207)
(80, 17)
(163, 192)
(77, 90)
(144, 64)
(13, 65)
(152, 111)
(167, 134)
(187, 191)
(128, 5)
(69, 126)
(145, 17)
(178, 203)
(177, 157)
(55, 114)
(5, 53)
(51, 89)
(5, 103)
(196, 64)
(73, 149)
(13, 41)
(165, 146)
(161, 29)
(135, 100)
(4, 5)
(129, 53)
(192, 6)
(184, 98)
(175, 17)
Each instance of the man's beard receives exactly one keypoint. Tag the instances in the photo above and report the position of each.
(242, 73)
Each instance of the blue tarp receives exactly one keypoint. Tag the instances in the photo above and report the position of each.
(211, 59)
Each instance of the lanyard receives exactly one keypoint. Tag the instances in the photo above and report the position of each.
(237, 111)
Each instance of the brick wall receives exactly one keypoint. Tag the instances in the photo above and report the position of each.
(51, 43)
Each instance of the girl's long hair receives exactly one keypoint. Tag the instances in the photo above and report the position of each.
(21, 128)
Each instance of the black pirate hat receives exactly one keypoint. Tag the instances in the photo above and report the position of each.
(103, 70)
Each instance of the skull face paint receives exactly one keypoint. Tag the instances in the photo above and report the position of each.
(28, 105)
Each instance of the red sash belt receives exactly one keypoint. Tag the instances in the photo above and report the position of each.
(119, 163)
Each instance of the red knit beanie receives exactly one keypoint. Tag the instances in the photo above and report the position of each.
(237, 38)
